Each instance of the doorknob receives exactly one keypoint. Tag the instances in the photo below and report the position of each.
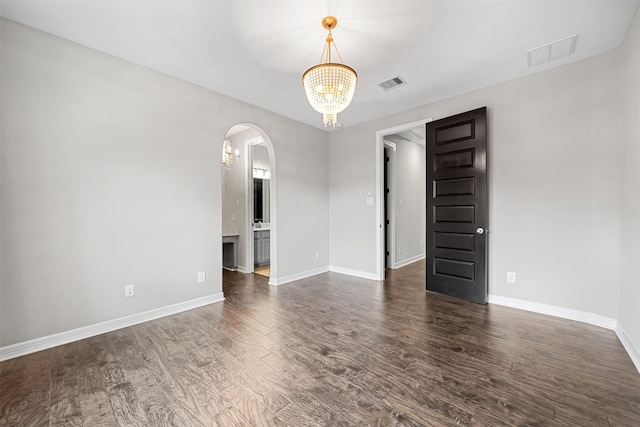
(480, 230)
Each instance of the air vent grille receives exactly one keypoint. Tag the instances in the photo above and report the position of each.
(392, 83)
(551, 51)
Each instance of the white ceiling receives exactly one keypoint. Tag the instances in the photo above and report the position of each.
(256, 51)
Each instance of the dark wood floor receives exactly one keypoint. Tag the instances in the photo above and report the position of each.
(331, 350)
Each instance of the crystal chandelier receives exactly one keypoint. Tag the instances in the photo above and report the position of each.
(329, 86)
(228, 156)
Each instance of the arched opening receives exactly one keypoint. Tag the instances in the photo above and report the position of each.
(249, 208)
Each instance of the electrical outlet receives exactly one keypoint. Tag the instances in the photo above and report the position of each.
(317, 254)
(201, 277)
(511, 277)
(399, 249)
(129, 291)
(422, 243)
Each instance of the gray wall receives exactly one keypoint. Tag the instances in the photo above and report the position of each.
(554, 182)
(233, 193)
(352, 179)
(111, 175)
(411, 194)
(630, 188)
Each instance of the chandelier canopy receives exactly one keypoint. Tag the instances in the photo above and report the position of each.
(329, 86)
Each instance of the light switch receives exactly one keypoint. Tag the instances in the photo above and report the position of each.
(369, 201)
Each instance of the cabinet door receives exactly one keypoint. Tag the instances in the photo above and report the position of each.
(257, 248)
(265, 244)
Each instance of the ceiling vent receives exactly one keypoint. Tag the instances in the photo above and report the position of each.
(392, 83)
(552, 51)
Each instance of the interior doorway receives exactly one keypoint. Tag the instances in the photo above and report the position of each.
(249, 218)
(400, 240)
(261, 212)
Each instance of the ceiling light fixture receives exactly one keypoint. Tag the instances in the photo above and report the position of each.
(329, 86)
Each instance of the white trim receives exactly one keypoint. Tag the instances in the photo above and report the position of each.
(580, 316)
(314, 272)
(43, 343)
(553, 310)
(355, 273)
(297, 276)
(248, 208)
(381, 256)
(632, 351)
(408, 261)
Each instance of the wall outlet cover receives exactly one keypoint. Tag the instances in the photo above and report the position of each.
(129, 291)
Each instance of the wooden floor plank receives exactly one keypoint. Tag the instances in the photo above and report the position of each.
(331, 350)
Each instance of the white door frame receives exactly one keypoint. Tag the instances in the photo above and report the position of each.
(380, 258)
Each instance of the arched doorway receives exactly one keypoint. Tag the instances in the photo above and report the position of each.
(249, 213)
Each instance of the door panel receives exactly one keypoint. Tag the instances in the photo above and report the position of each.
(457, 206)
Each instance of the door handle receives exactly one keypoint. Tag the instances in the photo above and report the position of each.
(479, 230)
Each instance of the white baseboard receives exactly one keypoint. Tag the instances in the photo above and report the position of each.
(580, 316)
(400, 264)
(298, 276)
(239, 269)
(355, 273)
(633, 352)
(553, 310)
(43, 343)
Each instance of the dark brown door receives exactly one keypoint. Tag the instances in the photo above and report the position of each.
(457, 206)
